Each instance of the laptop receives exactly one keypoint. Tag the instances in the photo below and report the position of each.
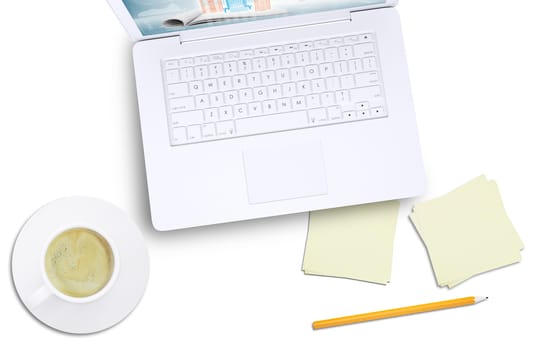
(258, 108)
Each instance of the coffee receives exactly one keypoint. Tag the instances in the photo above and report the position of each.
(79, 262)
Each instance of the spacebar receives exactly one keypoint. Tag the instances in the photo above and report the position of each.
(271, 123)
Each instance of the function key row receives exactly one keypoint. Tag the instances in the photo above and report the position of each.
(266, 51)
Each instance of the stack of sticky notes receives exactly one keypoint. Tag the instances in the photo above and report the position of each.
(353, 242)
(467, 232)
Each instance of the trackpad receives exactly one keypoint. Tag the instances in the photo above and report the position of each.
(285, 172)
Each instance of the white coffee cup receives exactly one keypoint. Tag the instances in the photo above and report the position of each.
(47, 290)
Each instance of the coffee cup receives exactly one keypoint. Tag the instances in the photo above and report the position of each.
(78, 265)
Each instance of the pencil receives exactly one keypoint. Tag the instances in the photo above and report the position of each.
(409, 310)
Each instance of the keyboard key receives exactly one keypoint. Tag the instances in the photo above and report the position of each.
(231, 97)
(194, 133)
(298, 102)
(211, 115)
(274, 91)
(297, 73)
(239, 82)
(316, 56)
(350, 115)
(216, 70)
(282, 76)
(355, 66)
(179, 135)
(334, 113)
(200, 72)
(313, 101)
(201, 60)
(336, 41)
(316, 116)
(230, 68)
(378, 112)
(216, 58)
(289, 89)
(318, 85)
(240, 111)
(372, 94)
(246, 54)
(369, 63)
(365, 79)
(209, 130)
(306, 46)
(202, 101)
(245, 66)
(225, 83)
(246, 96)
(210, 85)
(260, 93)
(255, 109)
(351, 39)
(276, 50)
(269, 107)
(328, 99)
(231, 56)
(321, 44)
(364, 114)
(366, 37)
(271, 123)
(304, 87)
(216, 99)
(291, 48)
(254, 79)
(364, 50)
(226, 128)
(268, 77)
(178, 90)
(263, 51)
(187, 74)
(273, 62)
(345, 52)
(172, 76)
(186, 62)
(302, 58)
(259, 64)
(326, 69)
(171, 64)
(312, 72)
(284, 105)
(288, 60)
(347, 82)
(196, 87)
(331, 54)
(361, 106)
(182, 104)
(225, 113)
(186, 119)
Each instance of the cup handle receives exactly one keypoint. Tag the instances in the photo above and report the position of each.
(38, 297)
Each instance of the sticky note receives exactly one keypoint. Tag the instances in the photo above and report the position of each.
(352, 242)
(467, 232)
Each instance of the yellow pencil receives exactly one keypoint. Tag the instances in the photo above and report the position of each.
(409, 310)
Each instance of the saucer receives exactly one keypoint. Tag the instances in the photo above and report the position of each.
(122, 297)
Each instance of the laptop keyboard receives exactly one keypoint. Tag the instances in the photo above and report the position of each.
(272, 89)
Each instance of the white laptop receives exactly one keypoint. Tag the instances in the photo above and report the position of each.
(256, 108)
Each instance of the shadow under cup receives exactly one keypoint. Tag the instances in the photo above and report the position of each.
(79, 264)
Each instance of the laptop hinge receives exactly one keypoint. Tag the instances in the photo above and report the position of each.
(264, 26)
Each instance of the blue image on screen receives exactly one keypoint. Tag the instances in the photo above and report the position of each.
(237, 5)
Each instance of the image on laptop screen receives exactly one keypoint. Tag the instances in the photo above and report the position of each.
(164, 16)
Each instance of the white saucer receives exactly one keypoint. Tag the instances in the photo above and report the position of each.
(124, 294)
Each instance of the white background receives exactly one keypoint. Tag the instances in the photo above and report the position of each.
(69, 126)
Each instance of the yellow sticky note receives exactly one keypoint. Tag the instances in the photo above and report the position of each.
(353, 242)
(467, 232)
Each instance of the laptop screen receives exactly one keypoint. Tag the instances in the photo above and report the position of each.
(163, 16)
